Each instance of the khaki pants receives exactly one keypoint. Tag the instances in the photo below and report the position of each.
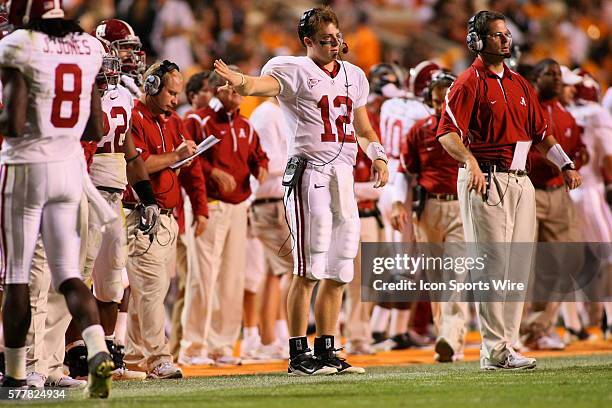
(50, 316)
(176, 332)
(441, 222)
(214, 290)
(358, 312)
(149, 267)
(509, 215)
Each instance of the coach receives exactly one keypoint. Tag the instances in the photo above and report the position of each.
(159, 137)
(495, 111)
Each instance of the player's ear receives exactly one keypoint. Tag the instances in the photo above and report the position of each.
(308, 42)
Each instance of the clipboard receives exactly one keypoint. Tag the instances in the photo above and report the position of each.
(206, 144)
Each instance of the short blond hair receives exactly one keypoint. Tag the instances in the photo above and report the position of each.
(155, 67)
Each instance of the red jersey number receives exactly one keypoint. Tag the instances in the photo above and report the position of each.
(65, 96)
(120, 130)
(341, 121)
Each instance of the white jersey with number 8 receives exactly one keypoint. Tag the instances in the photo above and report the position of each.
(60, 73)
(316, 107)
(108, 167)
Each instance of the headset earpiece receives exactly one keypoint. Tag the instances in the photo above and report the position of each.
(154, 82)
(304, 26)
(473, 40)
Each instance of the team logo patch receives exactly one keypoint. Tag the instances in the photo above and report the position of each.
(312, 82)
(298, 345)
(242, 134)
(327, 344)
(523, 101)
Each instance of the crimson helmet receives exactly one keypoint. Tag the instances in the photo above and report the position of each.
(420, 77)
(589, 89)
(21, 12)
(5, 26)
(118, 39)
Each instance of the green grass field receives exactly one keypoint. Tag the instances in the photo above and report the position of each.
(557, 382)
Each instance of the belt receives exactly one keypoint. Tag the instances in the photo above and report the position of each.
(495, 168)
(550, 188)
(443, 197)
(260, 201)
(111, 190)
(133, 206)
(369, 213)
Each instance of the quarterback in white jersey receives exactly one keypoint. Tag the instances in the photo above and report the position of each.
(48, 70)
(323, 100)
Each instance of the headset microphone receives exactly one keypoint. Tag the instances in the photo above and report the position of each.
(499, 54)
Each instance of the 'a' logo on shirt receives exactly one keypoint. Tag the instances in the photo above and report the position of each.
(523, 101)
(242, 134)
(312, 82)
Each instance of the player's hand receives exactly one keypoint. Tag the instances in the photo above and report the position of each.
(199, 225)
(262, 175)
(476, 178)
(225, 181)
(185, 149)
(149, 219)
(232, 78)
(572, 179)
(381, 173)
(399, 216)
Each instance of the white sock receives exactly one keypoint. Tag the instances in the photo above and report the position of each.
(281, 331)
(403, 317)
(15, 361)
(121, 327)
(570, 316)
(94, 340)
(379, 319)
(110, 338)
(250, 332)
(608, 309)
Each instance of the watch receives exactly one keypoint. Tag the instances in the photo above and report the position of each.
(569, 166)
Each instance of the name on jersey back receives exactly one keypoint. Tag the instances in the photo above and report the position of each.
(71, 45)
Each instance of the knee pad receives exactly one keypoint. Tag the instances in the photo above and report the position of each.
(321, 226)
(348, 233)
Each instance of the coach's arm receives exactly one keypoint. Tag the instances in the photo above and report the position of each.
(15, 100)
(247, 85)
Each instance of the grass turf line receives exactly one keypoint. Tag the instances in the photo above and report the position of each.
(563, 381)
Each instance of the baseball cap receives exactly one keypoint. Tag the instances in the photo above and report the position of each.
(568, 77)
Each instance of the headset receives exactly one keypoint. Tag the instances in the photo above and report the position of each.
(474, 41)
(306, 29)
(154, 83)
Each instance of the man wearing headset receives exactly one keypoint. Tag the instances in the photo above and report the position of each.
(160, 139)
(495, 112)
(324, 102)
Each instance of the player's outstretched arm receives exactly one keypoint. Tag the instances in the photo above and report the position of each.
(15, 99)
(247, 85)
(94, 130)
(370, 143)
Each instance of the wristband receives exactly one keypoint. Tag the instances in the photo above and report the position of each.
(556, 155)
(131, 159)
(377, 151)
(242, 82)
(144, 189)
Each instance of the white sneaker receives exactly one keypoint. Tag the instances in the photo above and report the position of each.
(36, 380)
(166, 370)
(359, 348)
(550, 343)
(125, 374)
(67, 382)
(228, 361)
(514, 361)
(195, 361)
(249, 347)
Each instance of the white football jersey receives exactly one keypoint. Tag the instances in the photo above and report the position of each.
(397, 115)
(315, 105)
(60, 73)
(108, 167)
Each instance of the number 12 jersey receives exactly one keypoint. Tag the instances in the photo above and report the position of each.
(319, 106)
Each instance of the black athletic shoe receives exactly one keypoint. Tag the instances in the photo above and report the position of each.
(100, 375)
(332, 360)
(10, 385)
(117, 353)
(306, 364)
(76, 360)
(402, 342)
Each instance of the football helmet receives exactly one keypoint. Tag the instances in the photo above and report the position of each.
(119, 39)
(383, 74)
(21, 12)
(589, 89)
(108, 77)
(421, 76)
(5, 26)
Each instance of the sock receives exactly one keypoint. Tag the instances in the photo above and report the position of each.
(94, 340)
(297, 346)
(250, 331)
(403, 317)
(608, 309)
(15, 362)
(379, 319)
(121, 328)
(570, 316)
(110, 338)
(324, 346)
(280, 330)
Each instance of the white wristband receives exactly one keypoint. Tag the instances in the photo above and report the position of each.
(557, 156)
(377, 151)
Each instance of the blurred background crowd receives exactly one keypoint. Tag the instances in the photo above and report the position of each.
(193, 33)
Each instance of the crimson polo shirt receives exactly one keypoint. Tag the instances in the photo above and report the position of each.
(491, 114)
(423, 155)
(563, 127)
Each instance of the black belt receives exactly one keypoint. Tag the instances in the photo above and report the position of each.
(260, 201)
(133, 206)
(550, 188)
(496, 168)
(443, 197)
(111, 190)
